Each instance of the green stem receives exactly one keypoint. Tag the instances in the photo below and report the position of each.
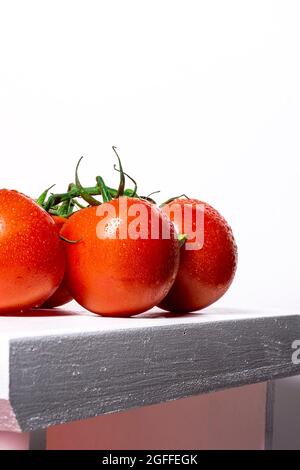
(122, 175)
(103, 189)
(77, 204)
(42, 198)
(72, 242)
(173, 199)
(85, 195)
(133, 191)
(182, 238)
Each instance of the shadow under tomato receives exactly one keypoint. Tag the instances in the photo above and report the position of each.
(53, 312)
(58, 312)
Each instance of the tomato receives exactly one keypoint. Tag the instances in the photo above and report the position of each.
(62, 295)
(205, 273)
(111, 271)
(31, 255)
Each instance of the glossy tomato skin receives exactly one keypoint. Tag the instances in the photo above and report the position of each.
(204, 274)
(62, 295)
(114, 276)
(31, 256)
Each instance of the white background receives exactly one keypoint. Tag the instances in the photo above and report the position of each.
(200, 97)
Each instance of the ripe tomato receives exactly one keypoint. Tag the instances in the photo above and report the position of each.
(113, 274)
(62, 295)
(31, 255)
(204, 274)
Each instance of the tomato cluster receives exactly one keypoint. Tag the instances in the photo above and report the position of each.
(114, 252)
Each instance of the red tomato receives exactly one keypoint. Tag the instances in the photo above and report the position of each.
(205, 273)
(115, 276)
(62, 295)
(31, 256)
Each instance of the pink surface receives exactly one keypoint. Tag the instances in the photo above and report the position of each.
(14, 441)
(232, 419)
(8, 420)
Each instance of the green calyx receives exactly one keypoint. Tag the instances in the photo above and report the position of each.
(182, 238)
(41, 199)
(79, 197)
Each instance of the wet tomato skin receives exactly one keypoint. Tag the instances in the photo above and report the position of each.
(31, 256)
(205, 274)
(62, 295)
(114, 276)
